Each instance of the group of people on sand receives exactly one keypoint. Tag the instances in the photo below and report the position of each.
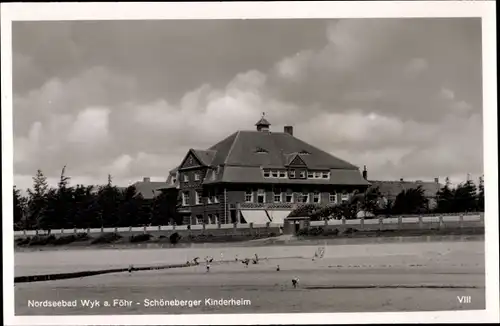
(319, 253)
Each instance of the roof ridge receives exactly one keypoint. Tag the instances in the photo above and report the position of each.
(319, 149)
(232, 146)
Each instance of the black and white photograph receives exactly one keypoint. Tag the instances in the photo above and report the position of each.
(197, 166)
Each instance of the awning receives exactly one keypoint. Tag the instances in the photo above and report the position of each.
(278, 216)
(255, 216)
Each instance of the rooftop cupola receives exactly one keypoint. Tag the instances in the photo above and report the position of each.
(263, 124)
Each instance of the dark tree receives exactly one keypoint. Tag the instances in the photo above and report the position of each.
(480, 195)
(410, 201)
(20, 208)
(37, 201)
(130, 208)
(165, 209)
(445, 198)
(108, 202)
(465, 197)
(370, 201)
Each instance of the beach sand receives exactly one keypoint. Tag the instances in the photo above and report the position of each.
(409, 277)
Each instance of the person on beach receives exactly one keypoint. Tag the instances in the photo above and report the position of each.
(295, 282)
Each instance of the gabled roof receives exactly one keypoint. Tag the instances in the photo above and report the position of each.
(393, 188)
(238, 150)
(205, 156)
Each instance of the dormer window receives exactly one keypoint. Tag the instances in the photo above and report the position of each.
(303, 174)
(196, 177)
(282, 174)
(186, 178)
(274, 173)
(325, 175)
(261, 150)
(267, 173)
(310, 175)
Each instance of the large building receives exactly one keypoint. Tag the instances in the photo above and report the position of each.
(259, 176)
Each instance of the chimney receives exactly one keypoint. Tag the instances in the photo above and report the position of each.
(436, 180)
(146, 179)
(365, 173)
(288, 130)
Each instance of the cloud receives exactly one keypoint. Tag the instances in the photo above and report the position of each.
(381, 93)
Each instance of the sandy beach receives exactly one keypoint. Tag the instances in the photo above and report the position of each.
(350, 278)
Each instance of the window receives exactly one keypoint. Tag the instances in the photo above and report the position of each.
(209, 219)
(209, 198)
(317, 175)
(344, 197)
(333, 197)
(292, 174)
(310, 175)
(325, 175)
(249, 196)
(198, 196)
(261, 196)
(215, 199)
(186, 178)
(289, 196)
(174, 180)
(302, 198)
(282, 174)
(185, 198)
(274, 173)
(213, 175)
(199, 219)
(196, 176)
(316, 197)
(303, 174)
(267, 173)
(216, 217)
(277, 196)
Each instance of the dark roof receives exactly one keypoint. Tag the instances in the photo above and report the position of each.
(149, 189)
(263, 122)
(205, 156)
(393, 188)
(239, 150)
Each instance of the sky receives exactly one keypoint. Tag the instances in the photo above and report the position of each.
(130, 98)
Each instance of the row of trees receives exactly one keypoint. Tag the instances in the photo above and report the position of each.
(466, 197)
(88, 206)
(108, 206)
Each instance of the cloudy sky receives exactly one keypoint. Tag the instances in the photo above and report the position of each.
(129, 98)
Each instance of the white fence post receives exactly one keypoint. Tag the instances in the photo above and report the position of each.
(400, 222)
(461, 220)
(362, 221)
(441, 223)
(420, 222)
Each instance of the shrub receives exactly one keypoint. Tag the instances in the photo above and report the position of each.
(304, 210)
(65, 239)
(23, 241)
(106, 238)
(140, 237)
(81, 236)
(42, 240)
(174, 238)
(323, 213)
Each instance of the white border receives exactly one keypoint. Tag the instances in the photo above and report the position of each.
(216, 10)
